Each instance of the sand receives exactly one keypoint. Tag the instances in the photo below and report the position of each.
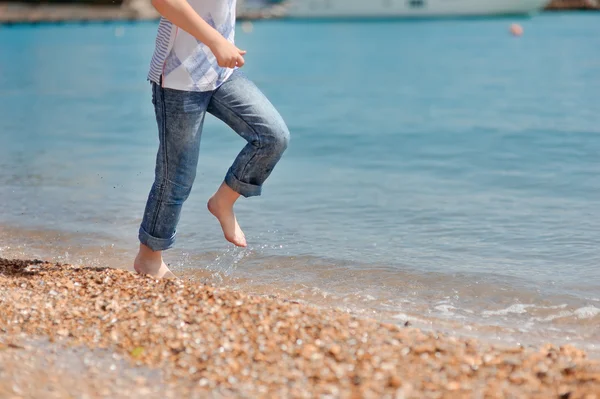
(68, 331)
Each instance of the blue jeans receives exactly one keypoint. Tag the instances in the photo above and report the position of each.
(180, 117)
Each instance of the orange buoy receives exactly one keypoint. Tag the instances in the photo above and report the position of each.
(516, 30)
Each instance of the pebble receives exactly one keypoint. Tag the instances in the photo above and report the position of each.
(143, 337)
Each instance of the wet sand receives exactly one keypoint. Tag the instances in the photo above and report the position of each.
(69, 331)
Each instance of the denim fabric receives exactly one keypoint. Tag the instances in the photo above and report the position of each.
(180, 117)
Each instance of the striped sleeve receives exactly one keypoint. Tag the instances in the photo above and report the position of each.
(161, 50)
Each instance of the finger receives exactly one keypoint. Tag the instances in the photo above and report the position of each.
(242, 52)
(240, 61)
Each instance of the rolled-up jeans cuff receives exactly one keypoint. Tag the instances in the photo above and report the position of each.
(244, 189)
(155, 243)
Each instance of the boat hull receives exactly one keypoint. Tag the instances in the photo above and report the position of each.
(410, 8)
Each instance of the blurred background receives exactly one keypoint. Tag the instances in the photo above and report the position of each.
(68, 10)
(443, 168)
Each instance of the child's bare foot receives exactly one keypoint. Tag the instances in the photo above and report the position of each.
(150, 263)
(221, 206)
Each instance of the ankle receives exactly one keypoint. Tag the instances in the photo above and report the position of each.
(148, 254)
(219, 202)
(225, 196)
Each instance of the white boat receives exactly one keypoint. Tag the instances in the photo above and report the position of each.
(410, 8)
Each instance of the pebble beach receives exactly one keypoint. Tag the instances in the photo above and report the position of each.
(75, 331)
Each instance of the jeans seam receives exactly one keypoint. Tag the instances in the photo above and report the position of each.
(163, 134)
(153, 238)
(249, 126)
(177, 184)
(238, 181)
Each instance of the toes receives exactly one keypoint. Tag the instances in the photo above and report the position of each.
(237, 240)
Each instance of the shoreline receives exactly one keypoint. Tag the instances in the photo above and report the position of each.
(205, 339)
(23, 13)
(491, 319)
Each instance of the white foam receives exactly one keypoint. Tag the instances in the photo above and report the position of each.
(564, 305)
(516, 308)
(587, 312)
(560, 315)
(445, 309)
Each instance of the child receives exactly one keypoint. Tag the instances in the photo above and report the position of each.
(194, 70)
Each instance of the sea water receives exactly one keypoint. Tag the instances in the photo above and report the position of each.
(440, 172)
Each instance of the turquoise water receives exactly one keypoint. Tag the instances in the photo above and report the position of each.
(443, 172)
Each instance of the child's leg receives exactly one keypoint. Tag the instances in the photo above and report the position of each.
(240, 104)
(180, 116)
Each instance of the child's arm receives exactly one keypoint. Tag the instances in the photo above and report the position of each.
(183, 15)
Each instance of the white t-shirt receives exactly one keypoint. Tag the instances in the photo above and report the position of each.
(182, 61)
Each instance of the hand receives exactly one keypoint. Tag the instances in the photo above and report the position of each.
(228, 55)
